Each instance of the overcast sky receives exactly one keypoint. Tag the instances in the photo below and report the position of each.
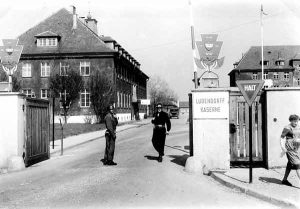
(157, 32)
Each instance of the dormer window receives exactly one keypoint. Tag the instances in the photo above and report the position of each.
(266, 63)
(47, 39)
(47, 42)
(279, 63)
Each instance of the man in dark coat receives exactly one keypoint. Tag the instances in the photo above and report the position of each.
(162, 126)
(111, 123)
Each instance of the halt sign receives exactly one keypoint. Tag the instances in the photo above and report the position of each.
(250, 89)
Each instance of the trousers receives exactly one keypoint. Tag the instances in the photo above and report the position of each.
(109, 147)
(158, 140)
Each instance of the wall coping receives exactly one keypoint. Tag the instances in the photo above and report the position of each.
(12, 94)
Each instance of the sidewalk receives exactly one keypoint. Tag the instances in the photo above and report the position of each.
(266, 185)
(72, 141)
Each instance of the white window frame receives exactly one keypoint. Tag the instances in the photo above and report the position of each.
(121, 99)
(47, 42)
(63, 68)
(266, 76)
(64, 94)
(286, 76)
(254, 76)
(85, 98)
(44, 93)
(28, 92)
(83, 68)
(276, 75)
(26, 70)
(45, 69)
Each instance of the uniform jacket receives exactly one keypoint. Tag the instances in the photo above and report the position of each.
(162, 118)
(111, 123)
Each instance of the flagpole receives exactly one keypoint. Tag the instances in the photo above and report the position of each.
(193, 44)
(262, 42)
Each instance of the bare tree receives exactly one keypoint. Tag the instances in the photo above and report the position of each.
(160, 92)
(102, 93)
(66, 87)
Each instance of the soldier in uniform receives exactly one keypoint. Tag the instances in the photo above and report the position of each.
(162, 126)
(111, 123)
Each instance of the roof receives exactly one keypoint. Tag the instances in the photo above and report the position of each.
(183, 104)
(82, 39)
(47, 34)
(251, 60)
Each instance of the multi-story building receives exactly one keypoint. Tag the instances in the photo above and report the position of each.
(281, 66)
(65, 41)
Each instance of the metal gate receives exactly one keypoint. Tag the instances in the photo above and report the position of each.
(37, 130)
(239, 131)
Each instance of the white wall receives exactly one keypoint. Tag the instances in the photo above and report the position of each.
(281, 103)
(11, 126)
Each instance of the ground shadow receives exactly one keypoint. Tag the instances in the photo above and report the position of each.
(187, 147)
(149, 157)
(179, 159)
(273, 181)
(270, 180)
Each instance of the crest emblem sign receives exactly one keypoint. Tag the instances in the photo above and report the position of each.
(209, 49)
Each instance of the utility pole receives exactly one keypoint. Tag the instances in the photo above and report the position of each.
(262, 41)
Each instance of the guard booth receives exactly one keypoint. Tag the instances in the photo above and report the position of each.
(219, 128)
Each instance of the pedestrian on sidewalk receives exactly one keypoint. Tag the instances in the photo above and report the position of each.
(289, 141)
(111, 123)
(162, 126)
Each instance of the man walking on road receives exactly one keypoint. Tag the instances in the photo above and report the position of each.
(160, 121)
(111, 123)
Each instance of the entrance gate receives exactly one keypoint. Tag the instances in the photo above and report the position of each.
(239, 131)
(37, 130)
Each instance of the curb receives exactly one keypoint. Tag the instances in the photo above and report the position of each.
(253, 193)
(90, 140)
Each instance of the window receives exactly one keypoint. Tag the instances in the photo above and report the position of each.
(28, 92)
(85, 68)
(45, 69)
(47, 42)
(265, 75)
(276, 75)
(279, 63)
(254, 76)
(64, 69)
(63, 97)
(286, 76)
(44, 93)
(121, 100)
(85, 99)
(118, 99)
(298, 81)
(266, 62)
(26, 70)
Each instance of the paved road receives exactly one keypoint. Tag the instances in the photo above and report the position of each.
(79, 180)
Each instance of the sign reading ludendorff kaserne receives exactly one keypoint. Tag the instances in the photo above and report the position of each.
(210, 105)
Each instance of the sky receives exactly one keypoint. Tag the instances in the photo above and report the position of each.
(157, 32)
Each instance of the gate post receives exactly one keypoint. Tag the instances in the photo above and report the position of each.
(210, 130)
(191, 125)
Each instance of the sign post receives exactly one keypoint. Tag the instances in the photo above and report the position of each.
(250, 89)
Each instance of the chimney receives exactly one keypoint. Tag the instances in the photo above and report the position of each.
(74, 18)
(91, 23)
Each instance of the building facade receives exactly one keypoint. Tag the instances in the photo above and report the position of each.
(62, 42)
(281, 66)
